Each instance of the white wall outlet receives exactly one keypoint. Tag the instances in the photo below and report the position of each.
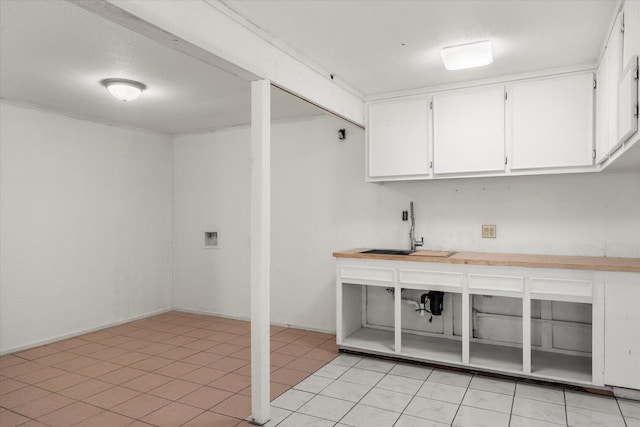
(211, 239)
(488, 231)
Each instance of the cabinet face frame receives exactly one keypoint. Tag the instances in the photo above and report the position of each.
(520, 282)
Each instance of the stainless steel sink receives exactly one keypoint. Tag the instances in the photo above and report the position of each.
(388, 252)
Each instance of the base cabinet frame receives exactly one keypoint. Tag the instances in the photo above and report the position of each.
(355, 276)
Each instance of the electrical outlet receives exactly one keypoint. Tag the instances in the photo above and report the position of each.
(488, 231)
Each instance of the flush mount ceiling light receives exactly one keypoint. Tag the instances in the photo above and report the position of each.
(123, 89)
(467, 55)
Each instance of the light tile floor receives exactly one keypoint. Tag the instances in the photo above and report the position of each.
(182, 369)
(367, 392)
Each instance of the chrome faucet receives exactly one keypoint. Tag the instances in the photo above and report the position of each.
(412, 233)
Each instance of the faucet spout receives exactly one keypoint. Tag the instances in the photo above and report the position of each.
(412, 232)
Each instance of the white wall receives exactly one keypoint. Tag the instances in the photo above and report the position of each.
(321, 203)
(212, 189)
(86, 220)
(85, 225)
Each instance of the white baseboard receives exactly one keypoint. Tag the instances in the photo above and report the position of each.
(145, 315)
(248, 319)
(211, 313)
(626, 393)
(81, 331)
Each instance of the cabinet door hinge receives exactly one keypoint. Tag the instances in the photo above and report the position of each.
(431, 105)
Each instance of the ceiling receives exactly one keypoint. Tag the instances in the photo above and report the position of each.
(377, 46)
(53, 54)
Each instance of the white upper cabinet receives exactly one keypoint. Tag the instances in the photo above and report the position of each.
(551, 122)
(617, 90)
(468, 131)
(602, 110)
(397, 132)
(631, 35)
(628, 101)
(614, 61)
(628, 79)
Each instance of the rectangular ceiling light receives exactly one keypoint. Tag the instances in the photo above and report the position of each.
(467, 55)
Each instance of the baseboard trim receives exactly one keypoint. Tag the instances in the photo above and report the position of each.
(626, 393)
(149, 314)
(248, 319)
(82, 331)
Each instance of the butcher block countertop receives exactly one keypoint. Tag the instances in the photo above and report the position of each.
(509, 260)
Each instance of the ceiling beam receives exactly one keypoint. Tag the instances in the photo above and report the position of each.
(207, 30)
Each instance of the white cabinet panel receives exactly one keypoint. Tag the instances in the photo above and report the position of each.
(397, 137)
(484, 284)
(628, 101)
(560, 289)
(452, 281)
(614, 61)
(631, 42)
(551, 122)
(366, 275)
(468, 131)
(602, 110)
(622, 331)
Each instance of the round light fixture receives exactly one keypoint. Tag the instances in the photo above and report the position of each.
(123, 89)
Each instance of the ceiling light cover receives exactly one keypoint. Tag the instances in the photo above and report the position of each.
(123, 89)
(467, 55)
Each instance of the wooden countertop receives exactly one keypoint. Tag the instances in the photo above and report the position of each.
(509, 260)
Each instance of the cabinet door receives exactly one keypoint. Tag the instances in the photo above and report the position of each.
(614, 61)
(631, 36)
(468, 131)
(607, 94)
(397, 138)
(622, 331)
(628, 101)
(602, 110)
(551, 122)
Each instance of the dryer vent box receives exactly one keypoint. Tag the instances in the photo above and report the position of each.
(211, 239)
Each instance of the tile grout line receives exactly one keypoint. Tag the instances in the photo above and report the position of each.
(370, 388)
(102, 347)
(414, 396)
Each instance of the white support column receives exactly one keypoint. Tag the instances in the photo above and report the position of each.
(260, 249)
